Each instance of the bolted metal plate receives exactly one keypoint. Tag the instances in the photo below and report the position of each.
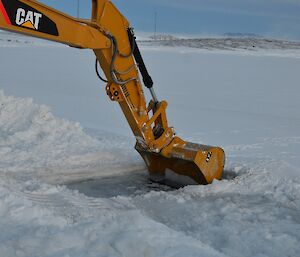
(201, 163)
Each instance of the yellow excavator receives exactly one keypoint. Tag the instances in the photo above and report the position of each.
(110, 36)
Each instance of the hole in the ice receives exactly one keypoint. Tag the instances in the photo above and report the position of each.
(229, 174)
(128, 184)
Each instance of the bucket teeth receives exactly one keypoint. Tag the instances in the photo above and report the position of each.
(201, 163)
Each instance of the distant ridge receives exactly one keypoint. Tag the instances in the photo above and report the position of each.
(233, 34)
(229, 42)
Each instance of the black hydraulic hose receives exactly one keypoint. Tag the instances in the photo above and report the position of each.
(148, 82)
(97, 72)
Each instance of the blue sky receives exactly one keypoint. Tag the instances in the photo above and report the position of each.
(273, 18)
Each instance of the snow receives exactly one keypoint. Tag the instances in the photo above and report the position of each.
(72, 185)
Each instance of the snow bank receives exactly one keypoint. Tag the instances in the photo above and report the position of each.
(252, 215)
(33, 136)
(33, 141)
(39, 219)
(54, 221)
(252, 212)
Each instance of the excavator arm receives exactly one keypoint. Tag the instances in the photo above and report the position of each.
(110, 36)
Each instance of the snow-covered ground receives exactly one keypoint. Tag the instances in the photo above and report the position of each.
(72, 185)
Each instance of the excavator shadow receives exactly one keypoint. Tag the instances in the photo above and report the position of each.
(126, 184)
(129, 184)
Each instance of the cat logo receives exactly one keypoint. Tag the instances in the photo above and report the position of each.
(17, 13)
(28, 19)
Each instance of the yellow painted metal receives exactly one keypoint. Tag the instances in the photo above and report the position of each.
(72, 31)
(156, 141)
(201, 163)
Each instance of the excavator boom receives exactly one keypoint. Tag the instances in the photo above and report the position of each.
(109, 35)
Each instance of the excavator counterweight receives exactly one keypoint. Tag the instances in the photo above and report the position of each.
(109, 35)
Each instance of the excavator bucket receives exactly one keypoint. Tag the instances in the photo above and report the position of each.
(184, 162)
